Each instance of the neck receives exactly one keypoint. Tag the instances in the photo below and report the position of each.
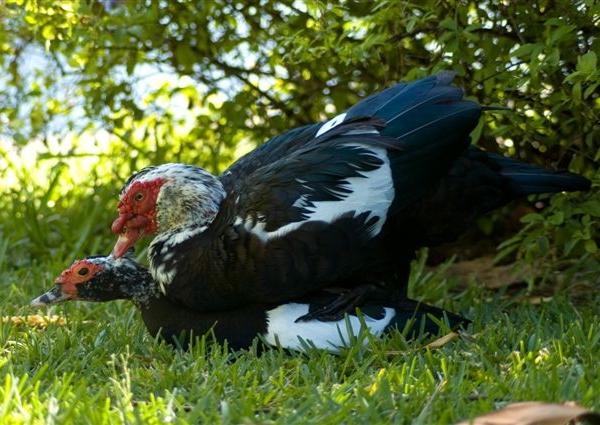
(163, 250)
(139, 287)
(175, 236)
(191, 199)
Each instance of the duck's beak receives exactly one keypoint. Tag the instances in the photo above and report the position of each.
(53, 296)
(129, 236)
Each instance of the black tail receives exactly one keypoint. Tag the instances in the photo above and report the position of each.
(425, 318)
(526, 179)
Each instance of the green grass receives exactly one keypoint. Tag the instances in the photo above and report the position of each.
(102, 368)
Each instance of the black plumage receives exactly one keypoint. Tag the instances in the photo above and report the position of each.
(342, 203)
(108, 279)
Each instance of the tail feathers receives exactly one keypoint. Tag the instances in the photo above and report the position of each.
(425, 318)
(546, 181)
(426, 106)
(495, 108)
(527, 179)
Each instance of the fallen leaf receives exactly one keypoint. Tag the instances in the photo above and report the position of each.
(35, 320)
(536, 413)
(440, 342)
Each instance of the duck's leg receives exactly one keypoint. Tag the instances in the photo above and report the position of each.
(391, 291)
(395, 287)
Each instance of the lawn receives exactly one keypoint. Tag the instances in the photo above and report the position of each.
(100, 366)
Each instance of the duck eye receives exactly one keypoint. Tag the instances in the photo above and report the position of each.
(83, 271)
(138, 196)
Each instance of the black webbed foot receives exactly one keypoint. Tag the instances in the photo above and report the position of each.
(345, 303)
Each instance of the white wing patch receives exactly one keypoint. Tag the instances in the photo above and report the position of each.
(373, 193)
(331, 336)
(334, 122)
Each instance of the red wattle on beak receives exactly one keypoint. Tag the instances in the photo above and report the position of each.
(119, 223)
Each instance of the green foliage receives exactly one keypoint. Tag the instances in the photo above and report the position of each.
(203, 82)
(565, 238)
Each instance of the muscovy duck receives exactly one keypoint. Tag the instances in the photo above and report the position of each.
(106, 278)
(330, 204)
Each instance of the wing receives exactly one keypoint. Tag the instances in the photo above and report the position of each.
(346, 172)
(416, 112)
(479, 182)
(270, 151)
(293, 226)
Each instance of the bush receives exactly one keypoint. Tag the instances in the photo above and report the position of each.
(124, 84)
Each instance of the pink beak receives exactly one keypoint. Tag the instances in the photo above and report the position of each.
(126, 240)
(130, 228)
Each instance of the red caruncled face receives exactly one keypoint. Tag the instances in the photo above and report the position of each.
(137, 214)
(80, 272)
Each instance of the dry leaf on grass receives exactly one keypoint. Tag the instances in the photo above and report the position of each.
(433, 345)
(440, 342)
(35, 320)
(536, 413)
